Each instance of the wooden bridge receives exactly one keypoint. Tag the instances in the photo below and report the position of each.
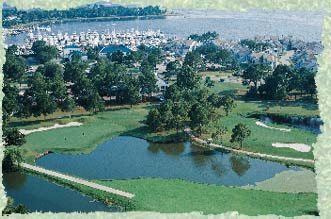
(77, 180)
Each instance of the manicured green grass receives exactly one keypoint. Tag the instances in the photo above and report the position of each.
(277, 107)
(129, 121)
(179, 196)
(229, 88)
(95, 130)
(261, 138)
(49, 120)
(288, 181)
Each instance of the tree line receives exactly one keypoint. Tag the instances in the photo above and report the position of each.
(65, 86)
(281, 83)
(38, 15)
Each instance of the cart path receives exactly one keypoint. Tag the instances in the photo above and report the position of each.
(253, 154)
(78, 180)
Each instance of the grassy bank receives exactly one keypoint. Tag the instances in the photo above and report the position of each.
(261, 138)
(95, 130)
(124, 120)
(178, 196)
(288, 181)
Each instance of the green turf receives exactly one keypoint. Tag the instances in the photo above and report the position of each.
(126, 121)
(178, 196)
(224, 88)
(261, 138)
(288, 181)
(95, 130)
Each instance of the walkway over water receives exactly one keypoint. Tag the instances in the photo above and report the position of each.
(78, 180)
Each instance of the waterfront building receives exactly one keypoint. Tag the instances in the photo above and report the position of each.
(105, 50)
(68, 50)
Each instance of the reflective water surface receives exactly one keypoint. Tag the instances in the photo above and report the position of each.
(127, 157)
(38, 194)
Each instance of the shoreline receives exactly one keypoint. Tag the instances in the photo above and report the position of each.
(94, 19)
(307, 163)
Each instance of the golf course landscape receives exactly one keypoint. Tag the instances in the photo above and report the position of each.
(101, 116)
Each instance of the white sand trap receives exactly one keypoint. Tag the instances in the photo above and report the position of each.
(269, 127)
(295, 146)
(56, 126)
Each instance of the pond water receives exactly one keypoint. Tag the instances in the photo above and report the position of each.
(127, 157)
(313, 125)
(38, 194)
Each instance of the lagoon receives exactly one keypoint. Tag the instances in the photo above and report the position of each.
(126, 157)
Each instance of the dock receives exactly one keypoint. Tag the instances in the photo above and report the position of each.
(77, 180)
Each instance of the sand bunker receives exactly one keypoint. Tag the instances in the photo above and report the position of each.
(295, 146)
(56, 126)
(269, 127)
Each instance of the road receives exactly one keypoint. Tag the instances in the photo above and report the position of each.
(78, 180)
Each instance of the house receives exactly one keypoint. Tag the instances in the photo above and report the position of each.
(104, 51)
(69, 49)
(161, 84)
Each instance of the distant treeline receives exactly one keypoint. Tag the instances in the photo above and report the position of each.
(38, 15)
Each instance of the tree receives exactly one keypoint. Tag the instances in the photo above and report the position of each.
(93, 102)
(187, 78)
(58, 88)
(12, 136)
(209, 82)
(133, 91)
(147, 79)
(180, 114)
(87, 95)
(11, 50)
(239, 133)
(50, 70)
(277, 85)
(43, 52)
(74, 70)
(92, 53)
(199, 116)
(10, 100)
(173, 93)
(205, 38)
(228, 104)
(194, 60)
(14, 67)
(255, 73)
(12, 159)
(42, 102)
(218, 134)
(68, 105)
(172, 69)
(38, 96)
(154, 119)
(10, 208)
(309, 83)
(117, 56)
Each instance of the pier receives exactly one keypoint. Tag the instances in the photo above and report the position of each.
(77, 180)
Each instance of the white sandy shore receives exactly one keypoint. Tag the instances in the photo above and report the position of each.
(269, 127)
(295, 146)
(56, 126)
